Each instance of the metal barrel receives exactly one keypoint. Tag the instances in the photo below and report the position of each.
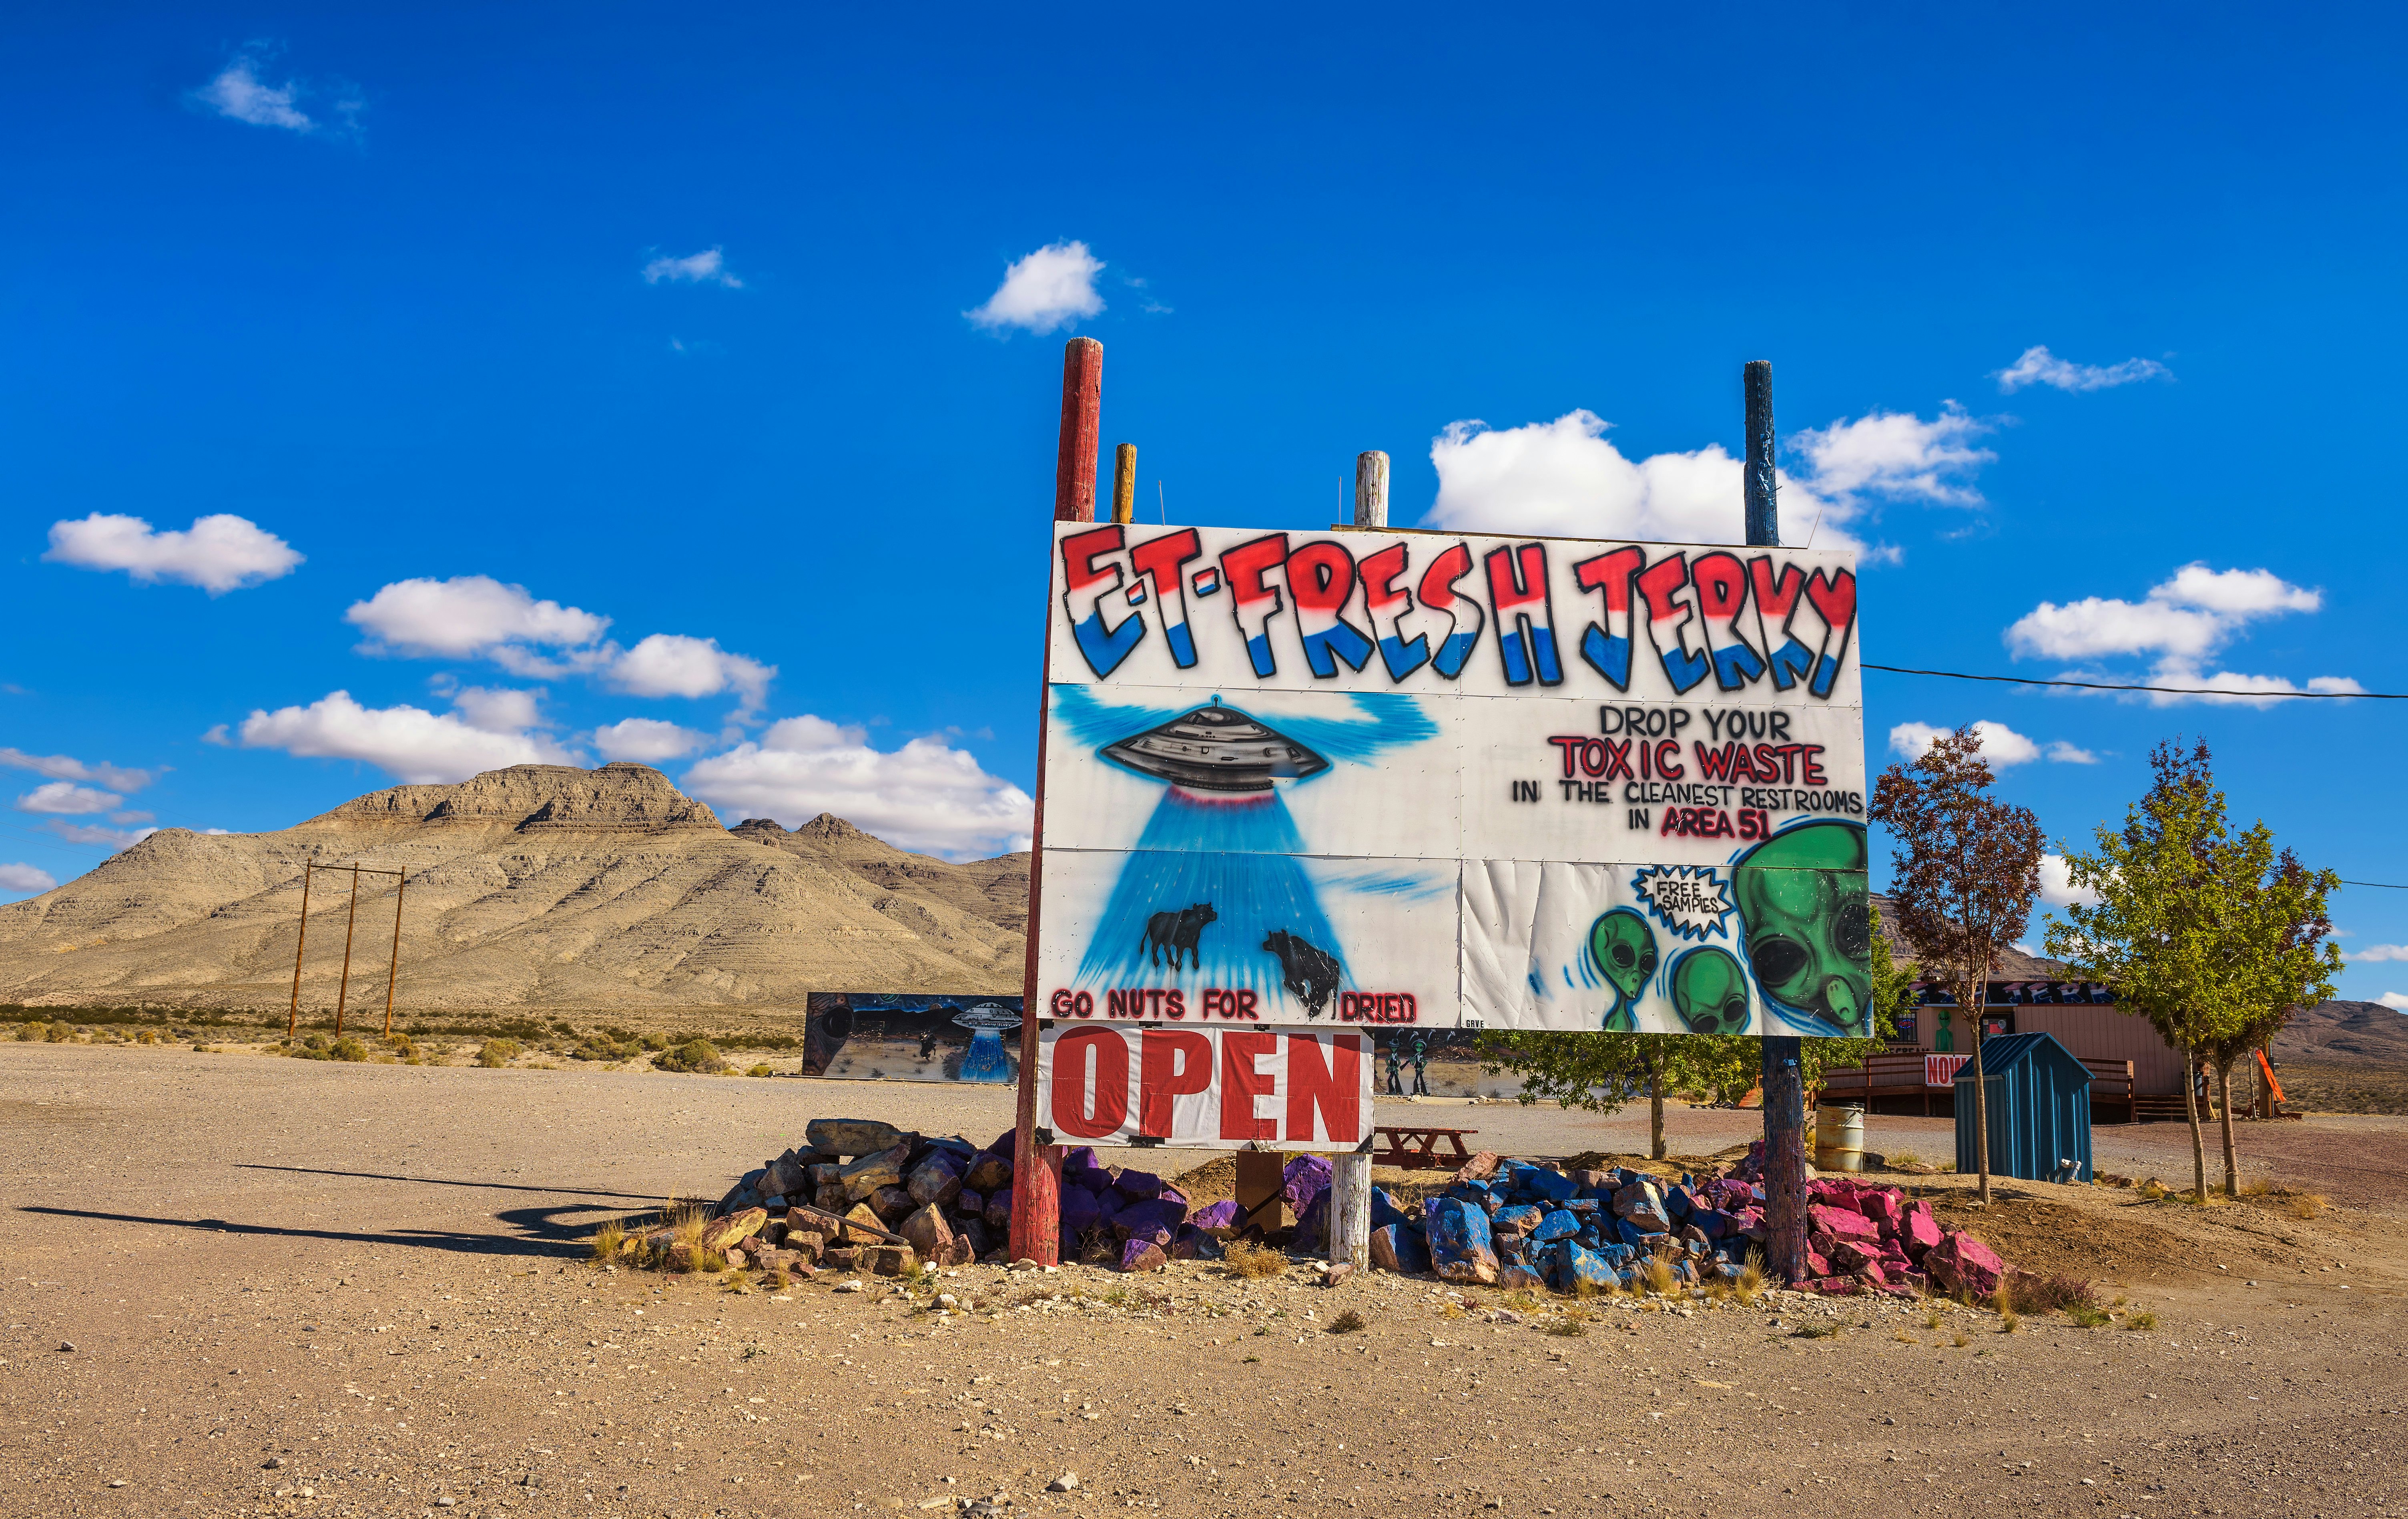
(1840, 1139)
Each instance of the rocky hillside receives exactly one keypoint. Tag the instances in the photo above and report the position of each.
(536, 886)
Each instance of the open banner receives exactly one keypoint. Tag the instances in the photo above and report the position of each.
(1211, 1088)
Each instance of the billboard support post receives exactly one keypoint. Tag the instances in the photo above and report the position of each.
(300, 942)
(1037, 1169)
(1350, 1181)
(351, 921)
(1784, 1087)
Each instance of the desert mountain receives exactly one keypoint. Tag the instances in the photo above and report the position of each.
(536, 886)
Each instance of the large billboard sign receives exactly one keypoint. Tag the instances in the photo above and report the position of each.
(1394, 778)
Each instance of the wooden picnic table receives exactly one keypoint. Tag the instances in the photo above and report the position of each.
(1416, 1149)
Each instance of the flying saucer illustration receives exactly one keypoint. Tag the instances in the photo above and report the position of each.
(1217, 748)
(986, 1060)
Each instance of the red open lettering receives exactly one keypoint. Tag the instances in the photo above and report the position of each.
(1105, 1051)
(1241, 1084)
(1333, 1086)
(1171, 1062)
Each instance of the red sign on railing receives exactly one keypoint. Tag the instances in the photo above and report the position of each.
(1941, 1069)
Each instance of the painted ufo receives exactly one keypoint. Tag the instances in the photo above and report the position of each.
(991, 1015)
(1217, 748)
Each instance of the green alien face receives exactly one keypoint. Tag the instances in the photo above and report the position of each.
(1624, 948)
(1710, 992)
(1801, 896)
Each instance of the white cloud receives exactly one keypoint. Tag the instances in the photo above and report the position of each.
(2039, 367)
(2376, 952)
(112, 839)
(66, 799)
(1898, 454)
(2393, 1000)
(410, 743)
(708, 268)
(2184, 620)
(218, 553)
(238, 94)
(468, 615)
(647, 741)
(674, 665)
(2057, 886)
(66, 768)
(926, 796)
(475, 615)
(2001, 745)
(25, 878)
(496, 711)
(1564, 478)
(1050, 288)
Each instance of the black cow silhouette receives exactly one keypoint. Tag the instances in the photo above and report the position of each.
(1309, 973)
(1178, 933)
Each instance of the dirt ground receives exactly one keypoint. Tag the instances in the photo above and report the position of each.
(303, 1287)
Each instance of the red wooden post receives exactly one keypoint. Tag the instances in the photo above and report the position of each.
(1082, 397)
(1037, 1169)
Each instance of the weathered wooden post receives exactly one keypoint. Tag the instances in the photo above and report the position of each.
(1125, 484)
(1350, 1181)
(292, 1020)
(1036, 1167)
(392, 971)
(1784, 1087)
(343, 993)
(1372, 489)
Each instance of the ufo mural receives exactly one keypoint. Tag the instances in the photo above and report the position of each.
(1216, 748)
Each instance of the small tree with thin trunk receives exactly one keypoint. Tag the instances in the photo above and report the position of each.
(1964, 870)
(2161, 932)
(2281, 950)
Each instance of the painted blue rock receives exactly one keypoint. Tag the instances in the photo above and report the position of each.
(1079, 1212)
(1558, 1225)
(1161, 1216)
(1553, 1185)
(1516, 1218)
(1679, 1203)
(1586, 1207)
(1080, 1168)
(1143, 1255)
(1305, 1177)
(1570, 1266)
(1460, 1246)
(1478, 1192)
(1627, 1232)
(1396, 1247)
(1139, 1186)
(1217, 1218)
(1384, 1211)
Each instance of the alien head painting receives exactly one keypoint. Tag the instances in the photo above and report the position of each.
(1440, 783)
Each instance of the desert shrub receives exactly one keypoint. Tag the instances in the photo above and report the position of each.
(1823, 1331)
(694, 1055)
(601, 1047)
(62, 1033)
(347, 1047)
(33, 1033)
(497, 1054)
(1566, 1328)
(762, 1069)
(653, 1043)
(563, 1025)
(1247, 1260)
(2140, 1320)
(402, 1047)
(2022, 1292)
(1346, 1323)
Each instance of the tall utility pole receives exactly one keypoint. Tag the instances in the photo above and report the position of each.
(1784, 1085)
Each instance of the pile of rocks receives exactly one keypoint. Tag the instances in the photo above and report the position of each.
(1513, 1224)
(861, 1195)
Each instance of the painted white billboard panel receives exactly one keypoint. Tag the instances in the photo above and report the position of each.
(1451, 780)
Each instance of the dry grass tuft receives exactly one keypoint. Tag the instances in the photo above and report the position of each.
(1566, 1327)
(1246, 1260)
(1658, 1276)
(1750, 1280)
(2141, 1321)
(1824, 1330)
(2305, 1205)
(609, 1240)
(1346, 1323)
(1961, 1341)
(2086, 1315)
(2023, 1292)
(1932, 1318)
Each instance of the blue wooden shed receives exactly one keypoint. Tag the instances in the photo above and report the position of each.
(2038, 1108)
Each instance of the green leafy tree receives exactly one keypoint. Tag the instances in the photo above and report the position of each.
(2280, 948)
(1596, 1071)
(2174, 894)
(1964, 870)
(1893, 982)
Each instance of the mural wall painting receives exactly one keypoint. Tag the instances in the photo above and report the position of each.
(1406, 781)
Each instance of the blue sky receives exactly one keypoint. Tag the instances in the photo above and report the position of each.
(671, 321)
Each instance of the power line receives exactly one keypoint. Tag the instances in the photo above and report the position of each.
(2380, 885)
(2171, 691)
